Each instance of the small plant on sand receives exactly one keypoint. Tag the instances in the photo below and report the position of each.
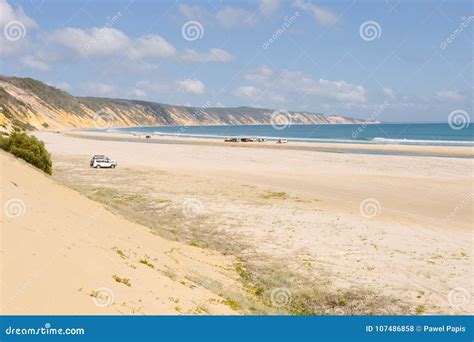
(147, 263)
(120, 252)
(275, 195)
(240, 269)
(234, 305)
(124, 281)
(420, 310)
(95, 294)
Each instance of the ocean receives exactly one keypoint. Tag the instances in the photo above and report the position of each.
(406, 134)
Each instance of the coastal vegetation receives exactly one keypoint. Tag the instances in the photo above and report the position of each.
(28, 148)
(124, 281)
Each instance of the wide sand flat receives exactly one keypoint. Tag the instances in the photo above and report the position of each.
(305, 207)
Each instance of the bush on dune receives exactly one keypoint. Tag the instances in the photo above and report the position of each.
(28, 148)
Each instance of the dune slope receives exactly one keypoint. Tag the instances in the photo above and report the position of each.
(62, 253)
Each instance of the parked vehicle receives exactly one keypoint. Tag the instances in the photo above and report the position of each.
(100, 161)
(106, 163)
(282, 141)
(97, 156)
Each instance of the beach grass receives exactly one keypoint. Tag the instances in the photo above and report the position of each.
(146, 262)
(271, 285)
(260, 279)
(275, 195)
(121, 280)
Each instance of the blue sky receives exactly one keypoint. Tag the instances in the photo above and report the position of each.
(397, 61)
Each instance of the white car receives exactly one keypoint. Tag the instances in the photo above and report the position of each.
(99, 163)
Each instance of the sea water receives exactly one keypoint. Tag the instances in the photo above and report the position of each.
(409, 134)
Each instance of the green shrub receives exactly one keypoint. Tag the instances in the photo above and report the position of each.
(28, 148)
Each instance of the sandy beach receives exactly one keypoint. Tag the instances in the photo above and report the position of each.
(397, 226)
(62, 254)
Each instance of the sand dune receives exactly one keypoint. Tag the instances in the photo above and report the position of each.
(60, 251)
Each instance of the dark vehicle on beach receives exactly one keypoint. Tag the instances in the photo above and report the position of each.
(232, 140)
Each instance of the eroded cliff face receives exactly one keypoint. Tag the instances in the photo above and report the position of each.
(30, 104)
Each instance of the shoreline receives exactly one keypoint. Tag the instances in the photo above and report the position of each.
(385, 149)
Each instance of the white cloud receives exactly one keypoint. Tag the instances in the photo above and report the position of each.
(61, 85)
(230, 17)
(282, 84)
(137, 93)
(13, 48)
(321, 14)
(19, 27)
(450, 95)
(247, 91)
(100, 89)
(268, 7)
(262, 75)
(32, 62)
(151, 46)
(106, 42)
(389, 93)
(338, 90)
(91, 42)
(193, 12)
(8, 14)
(195, 87)
(214, 55)
(143, 88)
